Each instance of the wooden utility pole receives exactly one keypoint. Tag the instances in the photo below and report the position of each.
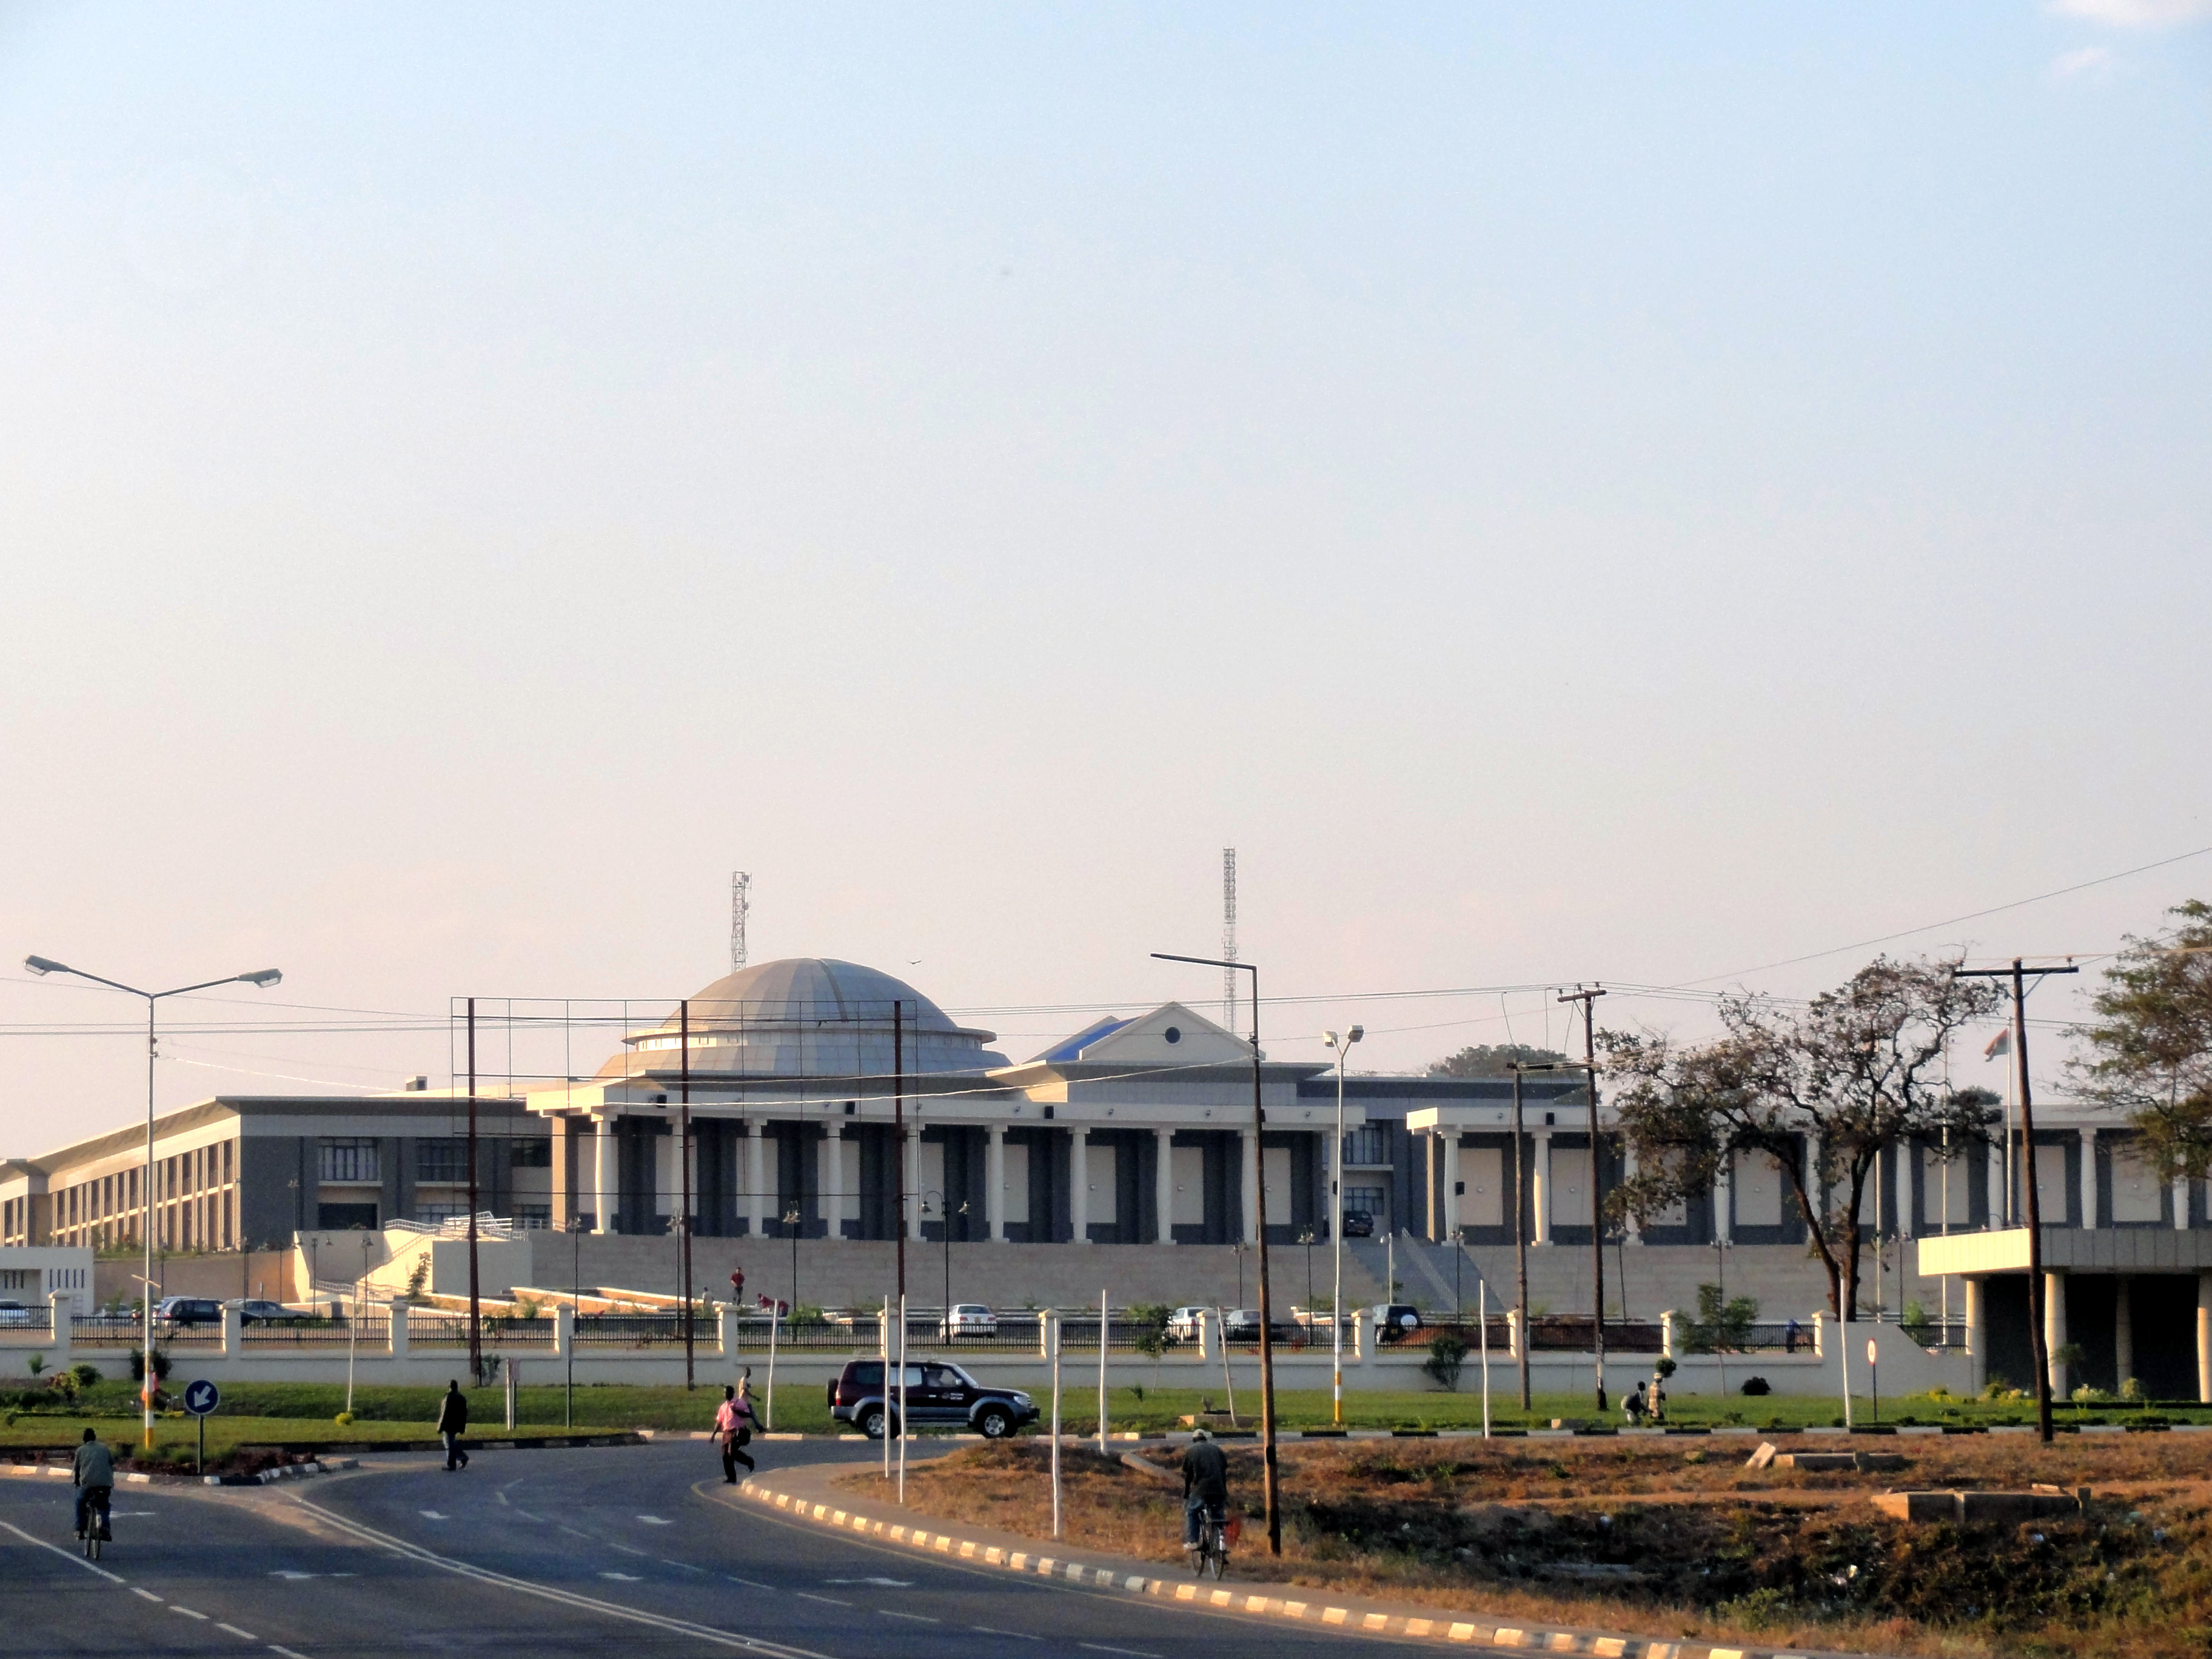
(1588, 999)
(2038, 1339)
(898, 1145)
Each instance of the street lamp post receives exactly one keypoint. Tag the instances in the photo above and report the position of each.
(1269, 1462)
(1343, 1047)
(262, 979)
(791, 1220)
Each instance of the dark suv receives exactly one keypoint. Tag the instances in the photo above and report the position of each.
(188, 1311)
(935, 1394)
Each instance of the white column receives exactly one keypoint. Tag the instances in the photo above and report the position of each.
(1724, 1200)
(1163, 1184)
(1993, 1192)
(2204, 1338)
(1906, 1160)
(1078, 1184)
(2054, 1328)
(914, 1182)
(1628, 1168)
(1540, 1173)
(2089, 1177)
(1248, 1145)
(2181, 1203)
(755, 1176)
(1978, 1333)
(1451, 1185)
(606, 1182)
(994, 1182)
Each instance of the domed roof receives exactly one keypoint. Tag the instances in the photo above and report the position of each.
(809, 1016)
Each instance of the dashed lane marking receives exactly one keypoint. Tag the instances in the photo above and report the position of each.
(622, 1577)
(683, 1566)
(66, 1555)
(656, 1521)
(750, 1584)
(1018, 1635)
(188, 1612)
(804, 1596)
(148, 1594)
(287, 1652)
(1101, 1647)
(243, 1634)
(433, 1514)
(915, 1617)
(625, 1549)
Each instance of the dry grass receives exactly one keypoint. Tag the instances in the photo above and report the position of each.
(1674, 1541)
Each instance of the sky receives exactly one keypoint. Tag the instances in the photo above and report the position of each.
(1608, 494)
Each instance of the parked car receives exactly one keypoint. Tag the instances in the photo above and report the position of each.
(1359, 1224)
(937, 1395)
(14, 1313)
(259, 1311)
(1394, 1322)
(967, 1319)
(1184, 1324)
(1242, 1325)
(188, 1311)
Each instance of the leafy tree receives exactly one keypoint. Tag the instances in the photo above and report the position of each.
(1486, 1060)
(1720, 1326)
(2152, 1041)
(1447, 1354)
(1858, 1069)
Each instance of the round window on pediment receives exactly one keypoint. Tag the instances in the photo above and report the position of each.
(1173, 1034)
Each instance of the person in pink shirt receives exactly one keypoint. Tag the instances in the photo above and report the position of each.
(733, 1427)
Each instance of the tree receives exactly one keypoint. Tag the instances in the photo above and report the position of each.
(2152, 1041)
(1858, 1069)
(1720, 1326)
(1484, 1061)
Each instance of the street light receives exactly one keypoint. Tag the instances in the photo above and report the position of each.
(262, 979)
(791, 1220)
(1270, 1465)
(945, 1214)
(1343, 1047)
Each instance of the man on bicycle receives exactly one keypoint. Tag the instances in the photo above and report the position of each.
(1205, 1485)
(96, 1481)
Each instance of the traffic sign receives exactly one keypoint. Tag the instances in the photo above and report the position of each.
(201, 1397)
(1872, 1356)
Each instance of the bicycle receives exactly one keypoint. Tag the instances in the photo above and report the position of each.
(96, 1531)
(1212, 1549)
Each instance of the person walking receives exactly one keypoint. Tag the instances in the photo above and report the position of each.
(452, 1423)
(733, 1428)
(94, 1478)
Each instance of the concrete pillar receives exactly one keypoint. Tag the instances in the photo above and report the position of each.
(1667, 1332)
(753, 1177)
(61, 1307)
(1513, 1332)
(400, 1333)
(1724, 1200)
(728, 1332)
(2089, 1177)
(1628, 1169)
(1451, 1185)
(2054, 1328)
(1993, 1184)
(1163, 1184)
(1540, 1176)
(1904, 1160)
(2181, 1203)
(2204, 1338)
(994, 1182)
(1978, 1333)
(912, 1163)
(2124, 1332)
(234, 1332)
(1078, 1184)
(606, 1180)
(1248, 1149)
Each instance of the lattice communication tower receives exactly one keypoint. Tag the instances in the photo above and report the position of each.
(741, 883)
(1229, 936)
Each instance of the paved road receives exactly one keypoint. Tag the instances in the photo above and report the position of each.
(555, 1552)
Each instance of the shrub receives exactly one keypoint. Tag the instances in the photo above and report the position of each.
(86, 1374)
(1446, 1354)
(1664, 1367)
(1756, 1385)
(344, 1419)
(37, 1362)
(1150, 1319)
(138, 1366)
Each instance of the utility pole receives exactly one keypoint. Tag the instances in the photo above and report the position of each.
(475, 1310)
(1588, 999)
(2038, 1343)
(898, 1152)
(683, 1160)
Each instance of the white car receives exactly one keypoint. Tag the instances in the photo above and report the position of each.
(967, 1319)
(1185, 1323)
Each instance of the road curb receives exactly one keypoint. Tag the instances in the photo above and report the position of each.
(1179, 1592)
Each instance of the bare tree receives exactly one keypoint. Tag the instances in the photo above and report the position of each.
(1859, 1069)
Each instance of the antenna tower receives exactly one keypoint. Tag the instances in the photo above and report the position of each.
(1229, 936)
(741, 883)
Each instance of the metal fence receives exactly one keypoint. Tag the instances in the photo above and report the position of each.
(37, 1321)
(1784, 1336)
(653, 1330)
(314, 1331)
(1565, 1333)
(105, 1331)
(443, 1330)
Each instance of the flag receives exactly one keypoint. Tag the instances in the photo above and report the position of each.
(1999, 1046)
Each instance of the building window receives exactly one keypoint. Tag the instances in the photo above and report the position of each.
(432, 1214)
(442, 1161)
(533, 1152)
(349, 1160)
(534, 1217)
(1370, 1143)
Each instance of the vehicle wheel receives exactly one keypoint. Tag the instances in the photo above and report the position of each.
(995, 1422)
(871, 1422)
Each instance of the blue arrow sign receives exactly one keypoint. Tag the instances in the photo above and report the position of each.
(201, 1397)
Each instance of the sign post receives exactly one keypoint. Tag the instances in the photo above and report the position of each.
(201, 1398)
(1874, 1377)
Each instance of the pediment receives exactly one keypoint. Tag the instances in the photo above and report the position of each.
(1172, 1033)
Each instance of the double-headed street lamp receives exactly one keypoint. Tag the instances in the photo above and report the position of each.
(1343, 1047)
(264, 978)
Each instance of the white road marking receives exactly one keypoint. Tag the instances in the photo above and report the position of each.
(245, 1634)
(685, 1565)
(573, 1533)
(433, 1514)
(622, 1577)
(916, 1617)
(750, 1584)
(188, 1612)
(625, 1549)
(655, 1521)
(1100, 1647)
(1019, 1635)
(148, 1594)
(527, 1515)
(287, 1652)
(804, 1596)
(66, 1555)
(890, 1583)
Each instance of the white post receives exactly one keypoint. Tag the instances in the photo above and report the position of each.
(1482, 1325)
(605, 1175)
(994, 1182)
(234, 1335)
(883, 1342)
(1628, 1168)
(61, 1307)
(1977, 1335)
(1079, 1184)
(1105, 1331)
(1725, 1201)
(775, 1321)
(1164, 1186)
(1844, 1354)
(756, 1178)
(1451, 1186)
(912, 1187)
(2054, 1330)
(2204, 1338)
(2089, 1177)
(1248, 1145)
(564, 1332)
(1051, 1340)
(902, 1429)
(1993, 1193)
(1540, 1175)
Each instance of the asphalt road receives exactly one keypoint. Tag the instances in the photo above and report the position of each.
(549, 1553)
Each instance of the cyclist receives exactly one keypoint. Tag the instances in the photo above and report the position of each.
(1205, 1485)
(94, 1476)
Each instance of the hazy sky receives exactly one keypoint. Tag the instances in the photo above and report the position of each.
(1599, 492)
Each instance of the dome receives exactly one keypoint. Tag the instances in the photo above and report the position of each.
(809, 1016)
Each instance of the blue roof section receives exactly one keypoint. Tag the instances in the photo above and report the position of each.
(1066, 1051)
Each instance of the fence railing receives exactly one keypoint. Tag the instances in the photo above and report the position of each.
(441, 1330)
(1782, 1336)
(654, 1330)
(364, 1330)
(1565, 1332)
(37, 1321)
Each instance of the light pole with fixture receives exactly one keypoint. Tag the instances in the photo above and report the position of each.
(263, 980)
(1343, 1047)
(1269, 1463)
